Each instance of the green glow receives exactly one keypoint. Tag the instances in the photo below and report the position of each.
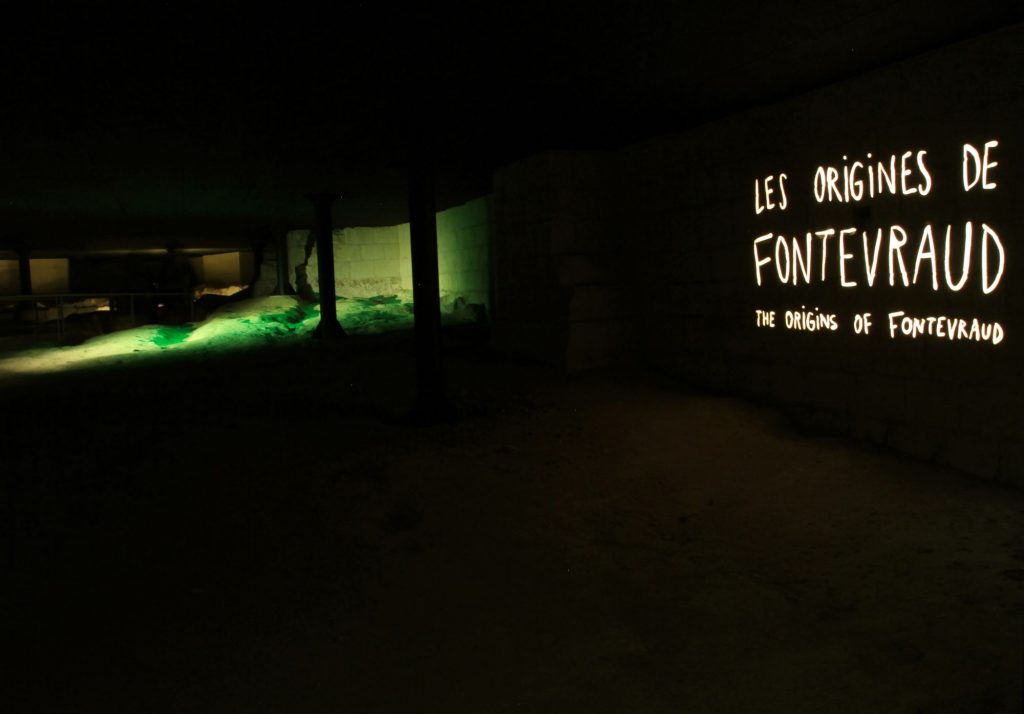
(376, 314)
(252, 322)
(377, 260)
(170, 336)
(106, 349)
(244, 324)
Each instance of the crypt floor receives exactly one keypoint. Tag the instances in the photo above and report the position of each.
(256, 533)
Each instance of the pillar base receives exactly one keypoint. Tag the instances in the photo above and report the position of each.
(329, 329)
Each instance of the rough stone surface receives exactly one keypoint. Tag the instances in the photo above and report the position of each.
(375, 260)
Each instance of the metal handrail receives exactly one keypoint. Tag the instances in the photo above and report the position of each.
(61, 298)
(53, 296)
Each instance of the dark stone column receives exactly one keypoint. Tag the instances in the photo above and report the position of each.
(283, 284)
(258, 250)
(329, 327)
(430, 404)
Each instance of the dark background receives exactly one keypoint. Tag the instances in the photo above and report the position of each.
(209, 121)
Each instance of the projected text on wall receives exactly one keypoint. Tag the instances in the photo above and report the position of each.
(948, 257)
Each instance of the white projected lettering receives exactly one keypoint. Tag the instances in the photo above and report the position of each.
(950, 328)
(976, 166)
(850, 182)
(965, 257)
(899, 248)
(768, 191)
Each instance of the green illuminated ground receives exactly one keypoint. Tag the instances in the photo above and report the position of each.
(245, 324)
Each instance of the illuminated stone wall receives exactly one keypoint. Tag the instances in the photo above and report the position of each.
(49, 275)
(365, 260)
(690, 220)
(221, 270)
(10, 282)
(463, 252)
(375, 260)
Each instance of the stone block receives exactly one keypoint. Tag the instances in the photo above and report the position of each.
(386, 268)
(599, 302)
(372, 251)
(358, 236)
(589, 269)
(346, 253)
(385, 235)
(363, 270)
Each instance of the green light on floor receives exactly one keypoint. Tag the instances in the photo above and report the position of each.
(239, 325)
(169, 336)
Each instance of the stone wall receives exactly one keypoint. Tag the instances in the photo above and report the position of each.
(688, 210)
(375, 260)
(49, 275)
(647, 255)
(463, 252)
(366, 259)
(221, 270)
(10, 280)
(561, 294)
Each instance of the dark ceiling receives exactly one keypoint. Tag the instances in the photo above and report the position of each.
(155, 120)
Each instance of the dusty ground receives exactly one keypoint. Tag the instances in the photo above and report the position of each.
(256, 534)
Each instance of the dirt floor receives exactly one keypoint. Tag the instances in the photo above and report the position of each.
(261, 533)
